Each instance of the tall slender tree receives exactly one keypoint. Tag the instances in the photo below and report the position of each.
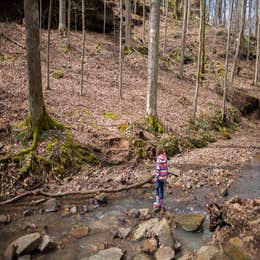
(143, 33)
(200, 57)
(105, 17)
(62, 16)
(48, 46)
(226, 61)
(69, 18)
(128, 21)
(257, 53)
(166, 25)
(120, 52)
(39, 118)
(249, 28)
(256, 17)
(243, 14)
(183, 38)
(83, 48)
(153, 51)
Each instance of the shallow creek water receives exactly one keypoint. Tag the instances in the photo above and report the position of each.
(103, 221)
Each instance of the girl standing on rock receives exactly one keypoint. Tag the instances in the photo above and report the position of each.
(160, 176)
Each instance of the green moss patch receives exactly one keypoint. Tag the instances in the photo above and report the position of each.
(57, 74)
(111, 115)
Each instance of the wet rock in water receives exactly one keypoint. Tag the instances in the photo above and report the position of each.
(134, 213)
(235, 249)
(24, 257)
(73, 210)
(223, 191)
(111, 253)
(47, 244)
(23, 245)
(79, 231)
(177, 245)
(208, 253)
(144, 213)
(123, 232)
(143, 228)
(142, 256)
(101, 198)
(150, 245)
(5, 219)
(164, 253)
(190, 222)
(162, 230)
(51, 205)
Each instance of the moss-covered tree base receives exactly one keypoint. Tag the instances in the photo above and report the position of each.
(154, 124)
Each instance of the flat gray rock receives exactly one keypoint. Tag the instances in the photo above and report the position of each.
(143, 228)
(112, 253)
(23, 245)
(51, 205)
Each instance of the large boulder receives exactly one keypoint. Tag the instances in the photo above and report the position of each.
(143, 228)
(111, 253)
(162, 230)
(23, 245)
(190, 222)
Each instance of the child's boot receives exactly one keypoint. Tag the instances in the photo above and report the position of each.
(156, 204)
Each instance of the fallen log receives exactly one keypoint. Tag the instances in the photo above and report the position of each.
(70, 193)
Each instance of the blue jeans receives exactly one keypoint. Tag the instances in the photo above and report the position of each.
(159, 188)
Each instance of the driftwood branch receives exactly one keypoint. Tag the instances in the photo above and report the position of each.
(70, 193)
(12, 41)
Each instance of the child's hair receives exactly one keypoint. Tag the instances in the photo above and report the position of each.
(159, 150)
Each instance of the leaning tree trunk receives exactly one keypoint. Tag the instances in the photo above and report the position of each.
(257, 54)
(39, 118)
(128, 22)
(153, 51)
(256, 18)
(62, 16)
(199, 68)
(226, 61)
(48, 46)
(243, 13)
(183, 40)
(83, 48)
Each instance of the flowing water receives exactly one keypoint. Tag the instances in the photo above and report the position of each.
(103, 221)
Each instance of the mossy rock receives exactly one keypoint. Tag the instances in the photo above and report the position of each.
(111, 115)
(57, 74)
(189, 222)
(123, 127)
(154, 124)
(225, 133)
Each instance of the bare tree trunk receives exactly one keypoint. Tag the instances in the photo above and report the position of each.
(202, 67)
(83, 47)
(135, 6)
(257, 54)
(120, 52)
(153, 51)
(188, 16)
(199, 72)
(256, 18)
(219, 12)
(249, 29)
(40, 25)
(69, 18)
(128, 22)
(48, 46)
(166, 25)
(39, 119)
(183, 40)
(226, 61)
(75, 18)
(62, 16)
(105, 17)
(225, 13)
(143, 21)
(243, 13)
